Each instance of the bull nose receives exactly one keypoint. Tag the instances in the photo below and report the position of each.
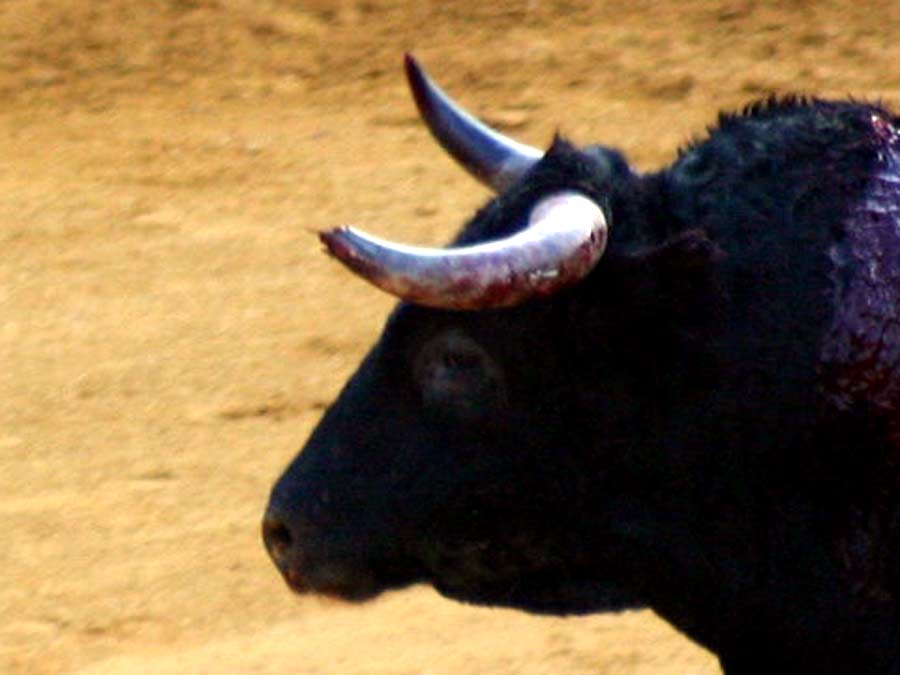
(281, 543)
(278, 540)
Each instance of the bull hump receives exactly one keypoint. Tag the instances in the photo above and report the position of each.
(861, 350)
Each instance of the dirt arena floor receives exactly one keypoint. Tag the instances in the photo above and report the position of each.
(170, 331)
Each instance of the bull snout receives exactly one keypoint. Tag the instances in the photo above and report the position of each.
(281, 539)
(278, 540)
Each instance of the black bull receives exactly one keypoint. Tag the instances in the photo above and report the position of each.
(704, 422)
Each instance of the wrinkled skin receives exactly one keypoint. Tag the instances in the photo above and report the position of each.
(674, 432)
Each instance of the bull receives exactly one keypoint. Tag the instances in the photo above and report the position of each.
(677, 390)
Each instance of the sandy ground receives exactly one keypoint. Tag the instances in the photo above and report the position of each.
(170, 332)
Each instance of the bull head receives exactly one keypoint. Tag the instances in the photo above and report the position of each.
(546, 234)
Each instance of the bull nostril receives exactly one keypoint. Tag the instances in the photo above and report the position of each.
(278, 540)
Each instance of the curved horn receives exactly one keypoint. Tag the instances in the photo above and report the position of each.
(491, 157)
(564, 239)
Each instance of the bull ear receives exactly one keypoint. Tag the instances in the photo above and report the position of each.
(663, 302)
(678, 276)
(667, 303)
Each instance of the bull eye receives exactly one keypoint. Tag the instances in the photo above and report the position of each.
(461, 359)
(457, 379)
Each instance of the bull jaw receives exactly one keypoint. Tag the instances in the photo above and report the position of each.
(480, 574)
(541, 595)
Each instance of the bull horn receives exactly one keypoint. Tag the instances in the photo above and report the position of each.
(491, 157)
(564, 239)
